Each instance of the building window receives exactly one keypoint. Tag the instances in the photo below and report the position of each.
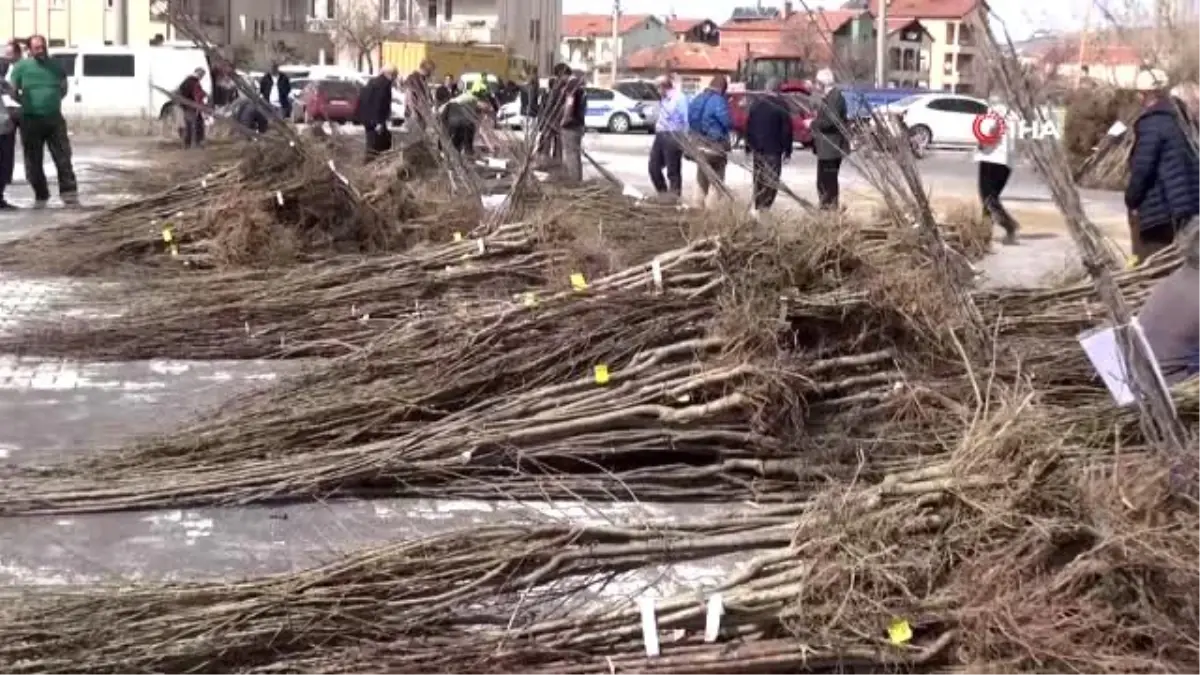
(966, 35)
(449, 9)
(108, 65)
(949, 32)
(57, 4)
(947, 64)
(431, 12)
(910, 59)
(966, 64)
(894, 58)
(385, 10)
(56, 43)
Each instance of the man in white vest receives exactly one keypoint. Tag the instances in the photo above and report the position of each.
(994, 155)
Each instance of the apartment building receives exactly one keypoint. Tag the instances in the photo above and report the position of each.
(588, 44)
(953, 53)
(257, 26)
(530, 28)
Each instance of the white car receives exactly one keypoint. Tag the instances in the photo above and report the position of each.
(939, 118)
(607, 110)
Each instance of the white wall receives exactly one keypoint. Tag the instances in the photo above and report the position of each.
(532, 28)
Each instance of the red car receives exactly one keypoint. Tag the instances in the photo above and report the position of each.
(802, 114)
(328, 100)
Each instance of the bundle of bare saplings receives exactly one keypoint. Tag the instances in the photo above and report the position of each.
(268, 203)
(701, 373)
(1022, 542)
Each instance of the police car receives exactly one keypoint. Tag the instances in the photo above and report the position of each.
(607, 110)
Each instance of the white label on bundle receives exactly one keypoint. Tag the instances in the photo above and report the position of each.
(649, 625)
(494, 163)
(466, 456)
(630, 191)
(1103, 349)
(203, 183)
(656, 273)
(482, 246)
(542, 176)
(712, 622)
(247, 328)
(279, 197)
(493, 201)
(292, 144)
(326, 128)
(1118, 128)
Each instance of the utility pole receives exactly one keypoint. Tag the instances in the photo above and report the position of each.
(616, 40)
(881, 39)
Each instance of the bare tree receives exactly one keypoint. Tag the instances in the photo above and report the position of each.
(359, 29)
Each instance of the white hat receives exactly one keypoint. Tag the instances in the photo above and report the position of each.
(1152, 79)
(825, 77)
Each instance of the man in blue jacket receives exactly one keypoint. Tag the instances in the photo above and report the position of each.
(1163, 193)
(710, 123)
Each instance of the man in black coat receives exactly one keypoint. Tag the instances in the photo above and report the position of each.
(10, 112)
(531, 95)
(829, 139)
(768, 141)
(375, 110)
(1163, 192)
(276, 89)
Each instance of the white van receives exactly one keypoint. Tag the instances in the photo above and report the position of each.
(118, 81)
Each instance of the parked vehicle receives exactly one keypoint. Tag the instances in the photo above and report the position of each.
(451, 58)
(329, 100)
(644, 91)
(798, 104)
(120, 81)
(938, 119)
(607, 110)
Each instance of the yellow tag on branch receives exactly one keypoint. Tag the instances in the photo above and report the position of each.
(458, 236)
(529, 299)
(601, 374)
(1131, 262)
(174, 251)
(578, 282)
(168, 235)
(899, 632)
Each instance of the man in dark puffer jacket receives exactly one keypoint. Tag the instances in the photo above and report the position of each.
(1164, 176)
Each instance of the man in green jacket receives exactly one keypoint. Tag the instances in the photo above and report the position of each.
(41, 85)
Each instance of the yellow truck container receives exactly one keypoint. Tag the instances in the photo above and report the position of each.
(449, 58)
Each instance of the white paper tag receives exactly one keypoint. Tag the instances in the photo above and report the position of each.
(203, 183)
(541, 176)
(482, 246)
(493, 201)
(279, 197)
(1103, 349)
(494, 163)
(1118, 128)
(649, 625)
(326, 128)
(337, 173)
(656, 273)
(712, 622)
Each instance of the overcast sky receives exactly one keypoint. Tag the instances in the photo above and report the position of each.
(1021, 17)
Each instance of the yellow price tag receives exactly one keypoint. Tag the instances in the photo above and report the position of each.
(458, 236)
(529, 299)
(578, 282)
(601, 374)
(899, 632)
(167, 235)
(1131, 262)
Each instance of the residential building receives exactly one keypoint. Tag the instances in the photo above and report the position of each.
(588, 44)
(255, 28)
(954, 56)
(699, 31)
(694, 64)
(819, 35)
(910, 46)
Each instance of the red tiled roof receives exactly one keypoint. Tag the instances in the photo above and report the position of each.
(928, 9)
(680, 25)
(895, 25)
(1097, 51)
(828, 19)
(599, 25)
(685, 57)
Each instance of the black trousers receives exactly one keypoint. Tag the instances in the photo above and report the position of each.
(828, 189)
(462, 136)
(8, 160)
(766, 179)
(39, 134)
(992, 179)
(379, 140)
(193, 129)
(666, 154)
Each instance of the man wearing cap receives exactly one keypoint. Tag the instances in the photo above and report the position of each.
(666, 153)
(1163, 192)
(995, 167)
(829, 139)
